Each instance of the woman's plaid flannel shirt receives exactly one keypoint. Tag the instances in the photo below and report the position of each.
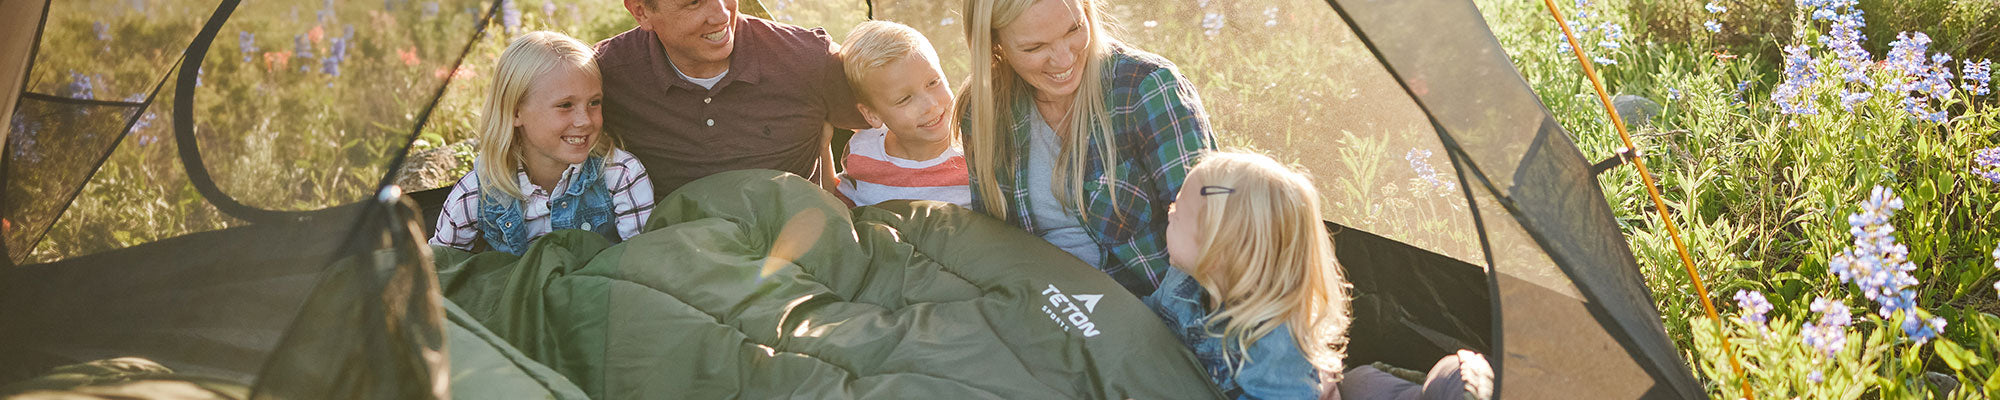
(1161, 129)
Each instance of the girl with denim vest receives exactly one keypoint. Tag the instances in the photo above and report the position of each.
(1258, 296)
(543, 162)
(1255, 291)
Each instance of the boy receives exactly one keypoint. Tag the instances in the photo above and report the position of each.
(912, 153)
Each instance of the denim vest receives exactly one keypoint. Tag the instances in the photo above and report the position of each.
(1276, 369)
(585, 204)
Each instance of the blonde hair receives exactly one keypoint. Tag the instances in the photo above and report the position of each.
(874, 44)
(1266, 259)
(529, 57)
(988, 96)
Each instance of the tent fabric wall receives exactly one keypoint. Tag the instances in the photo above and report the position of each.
(1511, 154)
(19, 20)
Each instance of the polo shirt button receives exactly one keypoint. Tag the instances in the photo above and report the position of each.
(705, 101)
(711, 122)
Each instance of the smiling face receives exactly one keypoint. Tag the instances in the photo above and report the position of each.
(698, 35)
(1045, 46)
(911, 97)
(1183, 226)
(559, 119)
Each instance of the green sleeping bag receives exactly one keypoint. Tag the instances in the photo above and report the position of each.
(907, 299)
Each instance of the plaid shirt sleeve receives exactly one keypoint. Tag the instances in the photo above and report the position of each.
(631, 193)
(458, 222)
(1162, 129)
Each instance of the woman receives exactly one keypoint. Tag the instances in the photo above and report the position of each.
(1075, 136)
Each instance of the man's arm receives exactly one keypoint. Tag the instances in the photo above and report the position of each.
(827, 179)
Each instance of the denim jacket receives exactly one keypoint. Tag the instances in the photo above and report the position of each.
(584, 204)
(1276, 369)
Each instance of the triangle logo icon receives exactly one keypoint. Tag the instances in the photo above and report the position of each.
(1089, 301)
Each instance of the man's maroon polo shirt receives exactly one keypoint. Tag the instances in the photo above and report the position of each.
(784, 83)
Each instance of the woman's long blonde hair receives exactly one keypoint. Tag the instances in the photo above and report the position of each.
(1266, 259)
(529, 56)
(988, 96)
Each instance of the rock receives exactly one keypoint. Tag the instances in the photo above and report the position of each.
(431, 168)
(1635, 110)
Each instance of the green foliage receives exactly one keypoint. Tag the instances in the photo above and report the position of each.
(1763, 197)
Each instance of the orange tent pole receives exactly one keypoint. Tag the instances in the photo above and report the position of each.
(1653, 190)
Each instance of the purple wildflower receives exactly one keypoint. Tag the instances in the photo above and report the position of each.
(549, 9)
(1673, 94)
(1712, 26)
(1816, 377)
(1753, 304)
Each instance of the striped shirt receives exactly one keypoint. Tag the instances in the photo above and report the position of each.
(631, 202)
(874, 176)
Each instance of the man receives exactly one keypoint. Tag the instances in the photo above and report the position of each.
(698, 88)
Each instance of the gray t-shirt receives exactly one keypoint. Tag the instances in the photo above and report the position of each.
(1053, 222)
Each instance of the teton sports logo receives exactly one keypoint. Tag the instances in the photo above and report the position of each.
(1063, 309)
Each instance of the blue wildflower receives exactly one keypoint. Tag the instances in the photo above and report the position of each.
(1792, 96)
(1426, 174)
(1922, 330)
(1816, 377)
(1986, 164)
(337, 53)
(1605, 61)
(1673, 94)
(1714, 8)
(1612, 31)
(1846, 43)
(1829, 333)
(80, 87)
(1880, 267)
(1563, 46)
(510, 16)
(1753, 304)
(1977, 77)
(1906, 54)
(1996, 255)
(1212, 23)
(246, 42)
(1712, 26)
(1849, 99)
(1608, 44)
